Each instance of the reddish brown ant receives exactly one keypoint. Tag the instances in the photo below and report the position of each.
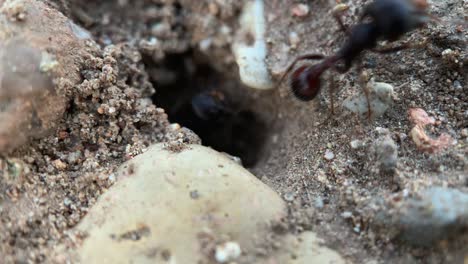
(380, 20)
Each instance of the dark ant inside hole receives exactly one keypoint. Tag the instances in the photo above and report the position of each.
(196, 96)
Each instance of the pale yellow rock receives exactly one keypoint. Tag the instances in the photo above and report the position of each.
(171, 207)
(193, 206)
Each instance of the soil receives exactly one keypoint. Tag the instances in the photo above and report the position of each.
(48, 186)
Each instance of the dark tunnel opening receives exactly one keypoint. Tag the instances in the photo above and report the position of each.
(200, 98)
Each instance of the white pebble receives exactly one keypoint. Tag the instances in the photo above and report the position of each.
(174, 126)
(329, 155)
(318, 203)
(300, 10)
(294, 39)
(205, 44)
(382, 131)
(356, 144)
(250, 57)
(357, 229)
(112, 177)
(67, 201)
(347, 214)
(227, 252)
(289, 196)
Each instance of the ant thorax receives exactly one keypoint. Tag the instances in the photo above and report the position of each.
(394, 18)
(362, 37)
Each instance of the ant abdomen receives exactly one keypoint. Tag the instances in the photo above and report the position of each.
(306, 82)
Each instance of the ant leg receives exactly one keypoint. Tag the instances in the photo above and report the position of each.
(387, 50)
(337, 12)
(363, 80)
(341, 68)
(331, 91)
(298, 59)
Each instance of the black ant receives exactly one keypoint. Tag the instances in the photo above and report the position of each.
(380, 20)
(211, 106)
(223, 125)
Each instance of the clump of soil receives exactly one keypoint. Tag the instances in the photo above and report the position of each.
(48, 186)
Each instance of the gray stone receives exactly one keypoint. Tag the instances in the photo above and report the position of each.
(386, 154)
(436, 214)
(380, 99)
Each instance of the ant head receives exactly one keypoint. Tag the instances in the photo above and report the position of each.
(305, 81)
(210, 105)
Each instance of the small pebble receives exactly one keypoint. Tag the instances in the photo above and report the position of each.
(174, 126)
(450, 56)
(429, 216)
(67, 201)
(318, 203)
(382, 130)
(289, 196)
(60, 165)
(194, 194)
(347, 214)
(233, 158)
(357, 229)
(381, 98)
(386, 152)
(464, 133)
(300, 10)
(213, 8)
(205, 44)
(112, 177)
(329, 155)
(402, 136)
(160, 29)
(227, 252)
(355, 144)
(294, 39)
(423, 141)
(420, 117)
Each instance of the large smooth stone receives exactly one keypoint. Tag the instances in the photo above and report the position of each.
(424, 219)
(169, 207)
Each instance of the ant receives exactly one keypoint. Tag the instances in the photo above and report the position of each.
(380, 20)
(223, 124)
(211, 106)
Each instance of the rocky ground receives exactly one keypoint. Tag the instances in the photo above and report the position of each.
(88, 86)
